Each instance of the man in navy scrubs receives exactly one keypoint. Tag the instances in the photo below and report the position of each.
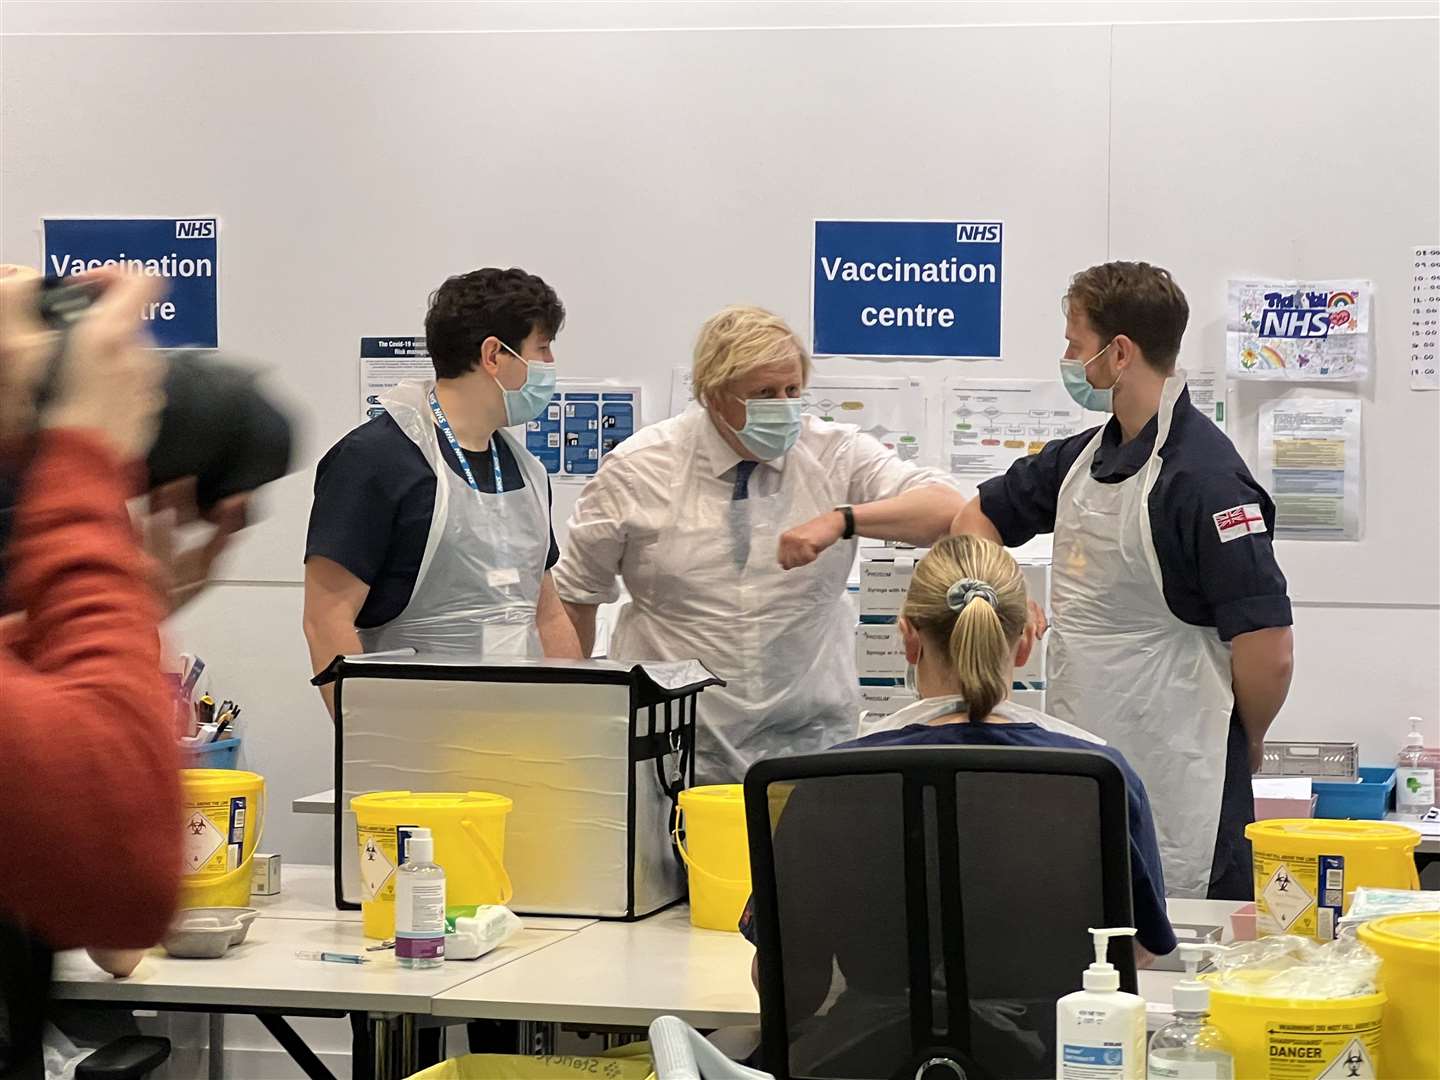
(1171, 636)
(431, 526)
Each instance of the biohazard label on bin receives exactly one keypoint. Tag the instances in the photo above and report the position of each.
(1286, 898)
(1323, 1051)
(1298, 894)
(377, 864)
(202, 843)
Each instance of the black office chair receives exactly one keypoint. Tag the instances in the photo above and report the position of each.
(920, 910)
(25, 968)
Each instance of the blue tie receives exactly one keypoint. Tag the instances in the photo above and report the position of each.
(742, 480)
(740, 513)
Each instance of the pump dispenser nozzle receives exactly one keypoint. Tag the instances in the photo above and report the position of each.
(1102, 975)
(1190, 994)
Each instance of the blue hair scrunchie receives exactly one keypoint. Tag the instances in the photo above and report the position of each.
(966, 589)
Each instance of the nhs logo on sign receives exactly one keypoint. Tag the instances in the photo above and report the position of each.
(1294, 323)
(195, 229)
(977, 232)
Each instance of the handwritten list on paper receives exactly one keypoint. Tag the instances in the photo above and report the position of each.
(1425, 320)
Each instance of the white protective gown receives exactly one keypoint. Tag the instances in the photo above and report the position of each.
(704, 581)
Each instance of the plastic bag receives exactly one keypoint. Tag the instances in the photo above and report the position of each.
(1377, 903)
(1293, 966)
(61, 1055)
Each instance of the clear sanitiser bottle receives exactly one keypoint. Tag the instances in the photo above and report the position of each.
(420, 905)
(1190, 1047)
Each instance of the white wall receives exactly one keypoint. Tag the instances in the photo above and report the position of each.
(655, 162)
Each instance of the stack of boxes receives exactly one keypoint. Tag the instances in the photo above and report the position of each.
(879, 651)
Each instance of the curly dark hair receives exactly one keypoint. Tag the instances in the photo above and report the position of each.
(468, 308)
(1135, 299)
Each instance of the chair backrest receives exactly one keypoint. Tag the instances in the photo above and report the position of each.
(919, 904)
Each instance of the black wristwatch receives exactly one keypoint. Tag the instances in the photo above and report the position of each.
(848, 512)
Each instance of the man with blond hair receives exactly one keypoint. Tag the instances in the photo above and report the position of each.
(733, 527)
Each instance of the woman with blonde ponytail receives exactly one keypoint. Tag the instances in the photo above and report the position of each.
(966, 616)
(964, 623)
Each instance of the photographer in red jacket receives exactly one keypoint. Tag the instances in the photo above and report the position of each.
(89, 790)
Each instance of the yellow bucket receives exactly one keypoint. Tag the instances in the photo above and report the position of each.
(1307, 870)
(1300, 1038)
(716, 851)
(469, 832)
(1409, 950)
(223, 820)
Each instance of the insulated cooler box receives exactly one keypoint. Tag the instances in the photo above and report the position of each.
(593, 753)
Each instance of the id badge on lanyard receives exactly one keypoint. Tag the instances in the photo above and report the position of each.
(444, 426)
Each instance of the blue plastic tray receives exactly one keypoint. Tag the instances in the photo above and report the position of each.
(1368, 800)
(215, 755)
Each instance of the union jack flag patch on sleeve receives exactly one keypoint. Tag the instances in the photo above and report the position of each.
(1239, 521)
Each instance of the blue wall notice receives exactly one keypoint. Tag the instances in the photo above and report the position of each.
(182, 251)
(542, 436)
(907, 288)
(580, 426)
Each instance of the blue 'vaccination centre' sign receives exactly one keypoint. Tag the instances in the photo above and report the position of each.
(183, 251)
(907, 288)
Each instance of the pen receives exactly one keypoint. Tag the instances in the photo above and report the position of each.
(331, 957)
(192, 676)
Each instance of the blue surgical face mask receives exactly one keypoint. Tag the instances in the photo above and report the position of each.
(771, 426)
(528, 402)
(1072, 374)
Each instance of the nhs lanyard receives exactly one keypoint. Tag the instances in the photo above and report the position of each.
(444, 426)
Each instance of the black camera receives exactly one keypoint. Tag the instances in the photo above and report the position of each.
(216, 425)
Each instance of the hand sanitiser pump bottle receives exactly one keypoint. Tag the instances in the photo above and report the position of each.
(1190, 1047)
(420, 905)
(1414, 775)
(1100, 1030)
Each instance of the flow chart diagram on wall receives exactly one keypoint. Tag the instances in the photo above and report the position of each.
(990, 423)
(890, 409)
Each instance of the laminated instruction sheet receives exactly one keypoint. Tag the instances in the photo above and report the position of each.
(385, 362)
(1310, 464)
(583, 422)
(1207, 393)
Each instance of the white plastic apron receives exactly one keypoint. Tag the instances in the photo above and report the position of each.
(1121, 664)
(782, 640)
(479, 581)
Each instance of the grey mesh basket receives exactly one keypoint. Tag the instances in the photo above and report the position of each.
(1318, 760)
